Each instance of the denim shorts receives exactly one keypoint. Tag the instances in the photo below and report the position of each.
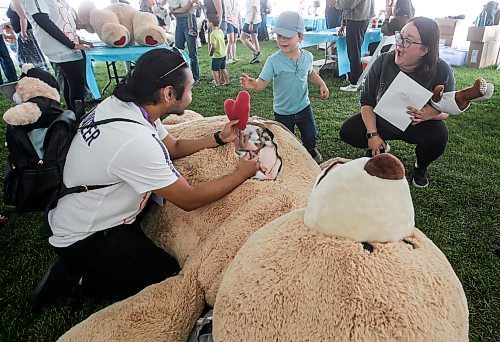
(218, 63)
(232, 29)
(247, 31)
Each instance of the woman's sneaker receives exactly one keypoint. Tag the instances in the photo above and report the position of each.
(350, 88)
(255, 58)
(420, 179)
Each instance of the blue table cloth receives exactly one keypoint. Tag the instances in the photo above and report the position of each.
(103, 53)
(311, 23)
(329, 36)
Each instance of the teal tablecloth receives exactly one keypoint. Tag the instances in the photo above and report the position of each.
(327, 36)
(103, 53)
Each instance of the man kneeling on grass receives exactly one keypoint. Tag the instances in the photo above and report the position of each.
(101, 248)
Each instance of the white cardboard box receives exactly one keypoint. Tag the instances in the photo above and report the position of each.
(453, 56)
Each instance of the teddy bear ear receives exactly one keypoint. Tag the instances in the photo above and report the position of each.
(26, 67)
(23, 114)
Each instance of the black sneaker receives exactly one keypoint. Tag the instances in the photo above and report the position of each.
(420, 179)
(255, 58)
(59, 280)
(318, 158)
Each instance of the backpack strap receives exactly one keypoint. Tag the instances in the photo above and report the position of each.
(106, 121)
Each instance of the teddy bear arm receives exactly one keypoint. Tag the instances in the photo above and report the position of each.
(173, 306)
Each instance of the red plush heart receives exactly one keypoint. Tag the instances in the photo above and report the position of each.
(239, 109)
(151, 41)
(120, 41)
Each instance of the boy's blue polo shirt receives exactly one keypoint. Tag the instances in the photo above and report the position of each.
(290, 81)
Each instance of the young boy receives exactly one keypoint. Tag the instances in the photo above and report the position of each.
(290, 69)
(217, 50)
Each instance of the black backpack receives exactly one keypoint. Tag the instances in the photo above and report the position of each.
(35, 184)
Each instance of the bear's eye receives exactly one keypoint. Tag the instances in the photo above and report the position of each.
(408, 242)
(367, 246)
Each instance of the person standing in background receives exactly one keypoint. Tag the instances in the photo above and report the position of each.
(6, 62)
(357, 14)
(216, 7)
(55, 30)
(251, 27)
(265, 9)
(183, 35)
(233, 29)
(333, 15)
(28, 50)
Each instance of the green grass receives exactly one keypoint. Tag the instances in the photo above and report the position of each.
(458, 211)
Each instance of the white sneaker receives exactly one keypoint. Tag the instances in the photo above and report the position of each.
(350, 87)
(230, 61)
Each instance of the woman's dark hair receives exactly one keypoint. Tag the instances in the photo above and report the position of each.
(429, 34)
(154, 70)
(404, 8)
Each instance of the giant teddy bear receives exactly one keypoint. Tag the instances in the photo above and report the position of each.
(303, 264)
(204, 241)
(119, 25)
(350, 266)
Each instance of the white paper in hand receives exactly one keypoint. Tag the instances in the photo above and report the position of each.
(402, 93)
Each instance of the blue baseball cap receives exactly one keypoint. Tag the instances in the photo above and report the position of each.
(289, 24)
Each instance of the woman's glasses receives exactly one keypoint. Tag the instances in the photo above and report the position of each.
(405, 42)
(184, 62)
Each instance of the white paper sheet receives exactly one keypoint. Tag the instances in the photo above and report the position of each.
(402, 93)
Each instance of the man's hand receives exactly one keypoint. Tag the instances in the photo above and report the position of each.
(341, 30)
(82, 47)
(230, 131)
(426, 113)
(248, 165)
(375, 143)
(248, 82)
(324, 92)
(84, 42)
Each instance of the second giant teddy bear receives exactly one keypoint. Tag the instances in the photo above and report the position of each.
(119, 25)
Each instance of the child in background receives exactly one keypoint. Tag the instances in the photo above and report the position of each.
(217, 50)
(290, 69)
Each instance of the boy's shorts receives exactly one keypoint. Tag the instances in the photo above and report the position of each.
(232, 29)
(255, 28)
(218, 63)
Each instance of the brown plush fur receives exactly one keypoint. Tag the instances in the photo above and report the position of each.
(188, 115)
(290, 283)
(204, 241)
(119, 25)
(385, 166)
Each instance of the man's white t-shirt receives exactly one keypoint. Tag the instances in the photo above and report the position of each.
(59, 12)
(131, 155)
(250, 4)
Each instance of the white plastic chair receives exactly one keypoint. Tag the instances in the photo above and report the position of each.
(369, 60)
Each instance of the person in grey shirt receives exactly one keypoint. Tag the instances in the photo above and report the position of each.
(357, 14)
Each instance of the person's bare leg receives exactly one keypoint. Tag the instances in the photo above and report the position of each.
(215, 75)
(255, 41)
(225, 76)
(248, 43)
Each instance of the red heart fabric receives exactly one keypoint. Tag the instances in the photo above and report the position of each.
(239, 109)
(120, 41)
(151, 41)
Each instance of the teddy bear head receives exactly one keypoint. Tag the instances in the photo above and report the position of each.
(367, 199)
(37, 98)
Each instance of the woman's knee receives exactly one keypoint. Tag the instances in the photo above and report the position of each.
(352, 133)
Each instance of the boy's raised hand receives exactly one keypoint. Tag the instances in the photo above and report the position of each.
(324, 92)
(248, 82)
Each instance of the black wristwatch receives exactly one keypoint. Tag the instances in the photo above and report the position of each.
(371, 134)
(217, 138)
